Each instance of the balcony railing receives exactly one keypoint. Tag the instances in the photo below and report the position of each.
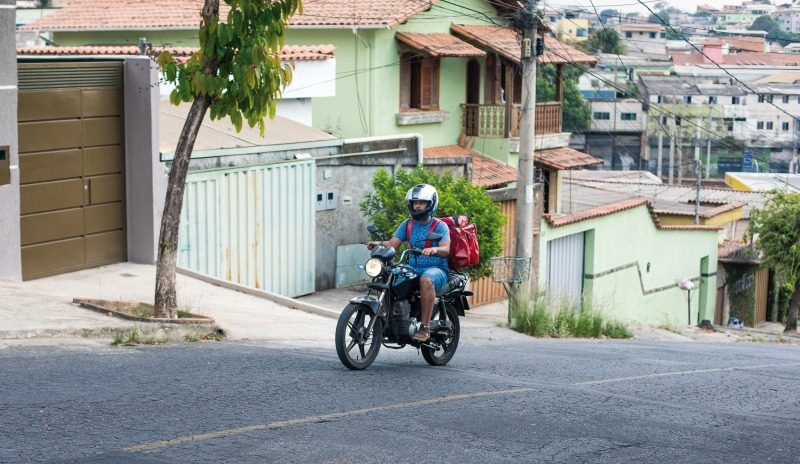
(500, 121)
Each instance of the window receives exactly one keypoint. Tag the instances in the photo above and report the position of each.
(652, 35)
(761, 99)
(687, 98)
(785, 99)
(602, 115)
(760, 125)
(628, 35)
(769, 98)
(769, 125)
(581, 32)
(712, 100)
(678, 120)
(661, 99)
(628, 116)
(785, 126)
(663, 35)
(735, 100)
(419, 82)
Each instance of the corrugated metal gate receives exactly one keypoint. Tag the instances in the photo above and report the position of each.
(565, 268)
(71, 164)
(253, 226)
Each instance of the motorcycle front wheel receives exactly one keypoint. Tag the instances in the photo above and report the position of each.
(447, 343)
(357, 346)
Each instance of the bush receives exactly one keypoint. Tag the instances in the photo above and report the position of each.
(386, 208)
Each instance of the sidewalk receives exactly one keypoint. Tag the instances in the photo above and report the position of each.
(41, 311)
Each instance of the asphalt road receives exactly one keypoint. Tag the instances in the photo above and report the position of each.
(559, 401)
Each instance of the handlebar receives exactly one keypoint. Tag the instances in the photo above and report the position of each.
(417, 251)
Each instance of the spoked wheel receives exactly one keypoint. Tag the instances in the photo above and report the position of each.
(357, 346)
(441, 347)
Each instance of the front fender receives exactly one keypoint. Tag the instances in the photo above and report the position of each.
(370, 302)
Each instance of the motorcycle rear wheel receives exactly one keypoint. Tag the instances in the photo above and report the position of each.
(356, 348)
(448, 345)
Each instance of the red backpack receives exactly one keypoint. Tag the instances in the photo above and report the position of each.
(464, 248)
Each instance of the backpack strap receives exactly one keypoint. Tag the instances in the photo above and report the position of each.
(428, 243)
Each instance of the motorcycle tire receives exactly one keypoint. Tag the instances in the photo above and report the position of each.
(356, 348)
(442, 355)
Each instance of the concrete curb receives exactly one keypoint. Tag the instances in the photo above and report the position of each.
(280, 299)
(175, 332)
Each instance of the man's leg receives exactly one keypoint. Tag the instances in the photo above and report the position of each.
(430, 280)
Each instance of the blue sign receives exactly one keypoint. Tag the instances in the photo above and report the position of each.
(747, 160)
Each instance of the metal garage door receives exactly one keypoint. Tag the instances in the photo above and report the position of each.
(252, 225)
(71, 163)
(565, 268)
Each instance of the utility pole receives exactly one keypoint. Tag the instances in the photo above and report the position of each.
(671, 150)
(527, 124)
(698, 167)
(659, 170)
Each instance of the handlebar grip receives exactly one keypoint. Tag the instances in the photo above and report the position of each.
(415, 250)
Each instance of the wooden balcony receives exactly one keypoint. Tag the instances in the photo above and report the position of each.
(503, 121)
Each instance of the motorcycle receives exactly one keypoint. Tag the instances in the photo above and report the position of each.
(389, 313)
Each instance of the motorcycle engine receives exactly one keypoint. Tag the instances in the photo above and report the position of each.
(402, 322)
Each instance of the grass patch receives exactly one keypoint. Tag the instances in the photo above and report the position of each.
(127, 337)
(197, 336)
(538, 317)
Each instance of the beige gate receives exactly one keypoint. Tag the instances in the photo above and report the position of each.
(72, 157)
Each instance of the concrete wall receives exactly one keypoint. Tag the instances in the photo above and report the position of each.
(145, 175)
(10, 261)
(638, 282)
(350, 177)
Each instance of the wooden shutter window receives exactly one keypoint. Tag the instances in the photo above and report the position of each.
(429, 84)
(405, 82)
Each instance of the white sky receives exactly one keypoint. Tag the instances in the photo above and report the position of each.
(632, 5)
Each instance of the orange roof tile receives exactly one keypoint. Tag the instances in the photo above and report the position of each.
(437, 44)
(564, 158)
(505, 42)
(185, 14)
(289, 52)
(744, 58)
(486, 172)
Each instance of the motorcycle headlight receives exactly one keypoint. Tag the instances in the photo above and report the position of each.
(373, 267)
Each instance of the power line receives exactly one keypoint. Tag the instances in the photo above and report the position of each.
(717, 64)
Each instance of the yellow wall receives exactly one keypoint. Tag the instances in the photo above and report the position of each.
(567, 29)
(717, 220)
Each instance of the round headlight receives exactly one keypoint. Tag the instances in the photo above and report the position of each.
(373, 267)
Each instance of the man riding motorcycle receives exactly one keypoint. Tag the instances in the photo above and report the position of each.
(422, 200)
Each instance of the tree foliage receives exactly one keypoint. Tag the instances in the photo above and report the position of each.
(576, 111)
(773, 29)
(607, 14)
(236, 73)
(238, 64)
(604, 40)
(776, 228)
(386, 207)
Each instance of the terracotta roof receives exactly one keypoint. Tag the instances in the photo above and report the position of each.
(612, 208)
(437, 44)
(738, 253)
(505, 42)
(564, 158)
(602, 210)
(185, 14)
(289, 52)
(746, 58)
(486, 172)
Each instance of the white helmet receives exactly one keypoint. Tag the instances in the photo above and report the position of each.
(422, 192)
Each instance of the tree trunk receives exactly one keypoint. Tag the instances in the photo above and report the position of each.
(166, 300)
(794, 305)
(166, 303)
